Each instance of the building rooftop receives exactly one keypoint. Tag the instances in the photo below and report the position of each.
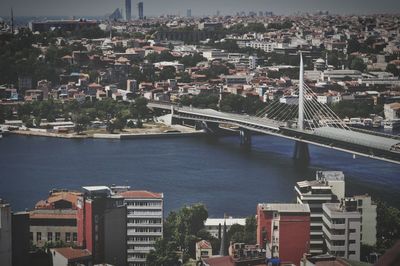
(229, 221)
(285, 207)
(203, 244)
(73, 254)
(141, 194)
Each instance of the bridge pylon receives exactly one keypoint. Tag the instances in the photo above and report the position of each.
(301, 152)
(245, 137)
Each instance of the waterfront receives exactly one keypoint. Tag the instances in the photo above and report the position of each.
(227, 178)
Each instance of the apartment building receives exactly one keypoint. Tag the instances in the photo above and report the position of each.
(144, 223)
(329, 186)
(367, 208)
(341, 228)
(5, 233)
(102, 225)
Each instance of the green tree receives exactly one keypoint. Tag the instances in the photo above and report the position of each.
(182, 229)
(388, 226)
(167, 72)
(232, 103)
(81, 123)
(358, 64)
(392, 68)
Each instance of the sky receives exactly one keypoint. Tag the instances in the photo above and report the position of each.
(199, 7)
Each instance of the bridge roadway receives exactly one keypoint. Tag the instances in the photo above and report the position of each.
(280, 129)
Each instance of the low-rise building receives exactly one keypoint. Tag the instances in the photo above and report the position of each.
(69, 256)
(203, 250)
(284, 230)
(54, 220)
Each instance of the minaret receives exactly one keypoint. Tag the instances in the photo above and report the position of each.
(300, 122)
(12, 21)
(222, 248)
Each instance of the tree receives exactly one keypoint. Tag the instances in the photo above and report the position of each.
(185, 77)
(182, 229)
(353, 46)
(232, 103)
(168, 72)
(388, 226)
(81, 123)
(392, 68)
(358, 64)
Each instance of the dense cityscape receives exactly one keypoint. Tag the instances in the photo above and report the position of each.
(312, 79)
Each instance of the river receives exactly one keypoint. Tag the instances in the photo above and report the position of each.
(216, 172)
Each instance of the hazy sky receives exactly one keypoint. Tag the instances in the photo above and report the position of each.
(199, 7)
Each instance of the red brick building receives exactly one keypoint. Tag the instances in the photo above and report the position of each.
(284, 230)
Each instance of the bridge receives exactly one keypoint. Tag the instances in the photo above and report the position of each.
(304, 120)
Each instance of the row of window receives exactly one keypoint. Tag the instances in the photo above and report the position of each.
(145, 221)
(142, 238)
(145, 230)
(144, 203)
(56, 236)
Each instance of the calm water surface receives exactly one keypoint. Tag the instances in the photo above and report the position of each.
(219, 173)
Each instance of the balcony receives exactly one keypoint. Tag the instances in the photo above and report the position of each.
(130, 233)
(136, 259)
(133, 242)
(144, 214)
(130, 207)
(144, 225)
(331, 225)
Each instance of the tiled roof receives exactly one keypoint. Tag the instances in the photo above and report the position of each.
(52, 214)
(141, 194)
(73, 254)
(203, 244)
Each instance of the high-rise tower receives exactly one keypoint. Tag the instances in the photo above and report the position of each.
(140, 10)
(128, 10)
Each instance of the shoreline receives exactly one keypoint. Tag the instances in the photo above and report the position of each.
(120, 136)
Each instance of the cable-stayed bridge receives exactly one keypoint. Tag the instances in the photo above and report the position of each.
(300, 117)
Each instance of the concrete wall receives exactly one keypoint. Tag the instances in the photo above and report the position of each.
(115, 235)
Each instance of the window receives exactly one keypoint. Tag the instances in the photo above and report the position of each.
(38, 236)
(74, 237)
(68, 237)
(50, 236)
(360, 202)
(58, 236)
(31, 236)
(352, 241)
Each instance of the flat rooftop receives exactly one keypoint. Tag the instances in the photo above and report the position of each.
(285, 207)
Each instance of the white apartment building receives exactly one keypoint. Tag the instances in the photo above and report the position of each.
(212, 224)
(341, 228)
(144, 223)
(329, 186)
(265, 46)
(367, 209)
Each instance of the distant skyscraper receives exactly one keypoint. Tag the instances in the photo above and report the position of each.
(140, 10)
(189, 13)
(128, 9)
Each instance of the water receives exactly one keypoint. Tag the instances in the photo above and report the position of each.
(218, 173)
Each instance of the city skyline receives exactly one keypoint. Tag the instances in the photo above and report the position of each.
(179, 7)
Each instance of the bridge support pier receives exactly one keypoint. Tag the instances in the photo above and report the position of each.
(301, 152)
(245, 137)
